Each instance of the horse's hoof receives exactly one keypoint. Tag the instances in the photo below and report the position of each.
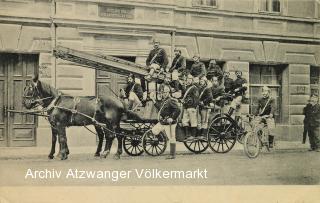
(116, 156)
(64, 156)
(59, 155)
(104, 154)
(50, 156)
(97, 155)
(68, 152)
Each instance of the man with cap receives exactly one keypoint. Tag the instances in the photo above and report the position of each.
(171, 80)
(228, 82)
(168, 114)
(214, 70)
(217, 92)
(178, 63)
(205, 100)
(198, 69)
(266, 109)
(312, 122)
(239, 90)
(190, 101)
(157, 59)
(133, 92)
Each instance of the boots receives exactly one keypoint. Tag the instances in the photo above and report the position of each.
(172, 151)
(271, 139)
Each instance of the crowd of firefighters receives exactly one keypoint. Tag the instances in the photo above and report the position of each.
(198, 90)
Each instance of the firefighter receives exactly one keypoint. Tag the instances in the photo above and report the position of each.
(198, 69)
(190, 101)
(214, 70)
(132, 93)
(266, 108)
(178, 63)
(228, 82)
(157, 60)
(205, 100)
(239, 90)
(168, 114)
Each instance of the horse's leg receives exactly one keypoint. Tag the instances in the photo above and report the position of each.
(63, 141)
(107, 147)
(120, 139)
(100, 137)
(54, 141)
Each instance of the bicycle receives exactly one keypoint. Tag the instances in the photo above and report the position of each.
(257, 138)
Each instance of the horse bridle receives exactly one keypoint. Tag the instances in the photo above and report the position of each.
(35, 94)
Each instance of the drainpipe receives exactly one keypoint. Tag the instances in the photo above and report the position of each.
(173, 43)
(53, 43)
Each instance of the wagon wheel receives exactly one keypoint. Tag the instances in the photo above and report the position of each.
(132, 145)
(222, 134)
(154, 145)
(196, 145)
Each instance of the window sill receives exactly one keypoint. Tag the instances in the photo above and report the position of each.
(274, 13)
(205, 7)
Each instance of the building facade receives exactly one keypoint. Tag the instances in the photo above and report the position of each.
(273, 42)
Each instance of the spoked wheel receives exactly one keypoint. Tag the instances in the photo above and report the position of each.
(252, 144)
(197, 145)
(245, 127)
(133, 145)
(222, 134)
(154, 145)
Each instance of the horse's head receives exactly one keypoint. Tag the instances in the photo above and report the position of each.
(32, 94)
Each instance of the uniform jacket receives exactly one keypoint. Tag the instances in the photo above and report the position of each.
(270, 108)
(228, 84)
(161, 59)
(215, 70)
(205, 95)
(312, 115)
(198, 69)
(168, 108)
(190, 98)
(136, 88)
(178, 63)
(238, 84)
(217, 92)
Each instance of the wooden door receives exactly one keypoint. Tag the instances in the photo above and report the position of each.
(3, 102)
(20, 129)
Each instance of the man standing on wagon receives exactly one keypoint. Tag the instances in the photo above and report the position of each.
(190, 101)
(168, 114)
(178, 63)
(157, 60)
(205, 100)
(198, 69)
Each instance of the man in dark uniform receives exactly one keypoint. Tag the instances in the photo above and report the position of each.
(228, 82)
(266, 108)
(205, 100)
(198, 69)
(178, 63)
(168, 114)
(190, 101)
(133, 93)
(157, 59)
(239, 90)
(214, 70)
(312, 124)
(174, 84)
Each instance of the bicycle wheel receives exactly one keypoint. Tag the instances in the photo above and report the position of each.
(245, 127)
(252, 144)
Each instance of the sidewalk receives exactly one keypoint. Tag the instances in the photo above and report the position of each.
(18, 152)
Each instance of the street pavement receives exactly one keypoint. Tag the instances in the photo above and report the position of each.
(289, 164)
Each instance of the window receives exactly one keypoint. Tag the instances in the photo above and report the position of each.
(205, 3)
(271, 76)
(270, 6)
(314, 79)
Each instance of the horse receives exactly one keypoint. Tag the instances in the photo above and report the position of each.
(65, 110)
